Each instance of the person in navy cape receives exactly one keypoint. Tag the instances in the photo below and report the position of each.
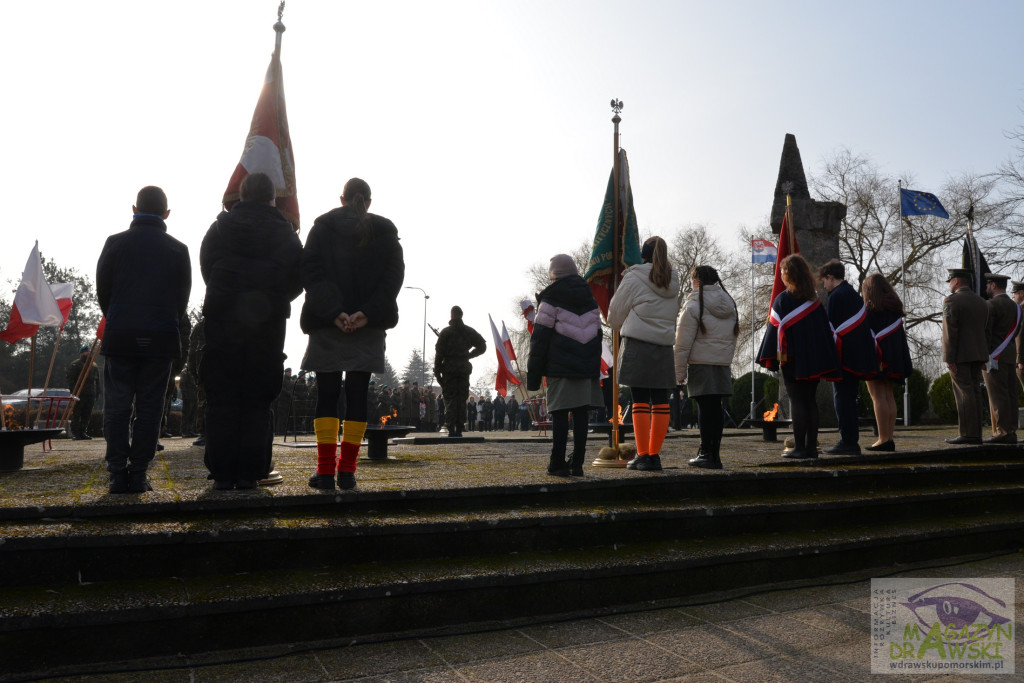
(847, 315)
(798, 344)
(885, 320)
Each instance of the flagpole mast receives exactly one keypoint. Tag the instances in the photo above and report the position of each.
(753, 396)
(903, 278)
(279, 30)
(617, 232)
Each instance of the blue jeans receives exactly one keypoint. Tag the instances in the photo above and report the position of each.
(140, 384)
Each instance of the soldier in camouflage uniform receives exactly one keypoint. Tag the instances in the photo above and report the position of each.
(456, 345)
(90, 389)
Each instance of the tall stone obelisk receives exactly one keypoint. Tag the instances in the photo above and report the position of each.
(817, 224)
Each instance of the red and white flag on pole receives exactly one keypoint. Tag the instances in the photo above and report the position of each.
(34, 303)
(606, 359)
(529, 312)
(507, 342)
(62, 292)
(268, 148)
(505, 372)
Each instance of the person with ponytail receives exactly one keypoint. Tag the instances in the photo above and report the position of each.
(644, 310)
(706, 334)
(352, 270)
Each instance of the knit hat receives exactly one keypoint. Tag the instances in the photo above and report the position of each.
(561, 266)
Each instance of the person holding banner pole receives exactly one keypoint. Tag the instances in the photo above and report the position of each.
(761, 251)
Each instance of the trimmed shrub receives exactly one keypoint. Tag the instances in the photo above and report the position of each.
(941, 397)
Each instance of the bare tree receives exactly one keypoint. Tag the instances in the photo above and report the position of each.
(1009, 199)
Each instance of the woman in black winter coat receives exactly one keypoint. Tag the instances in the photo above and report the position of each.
(353, 269)
(565, 347)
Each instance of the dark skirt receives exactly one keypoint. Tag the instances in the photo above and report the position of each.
(646, 365)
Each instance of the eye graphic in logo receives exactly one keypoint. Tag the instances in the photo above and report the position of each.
(957, 606)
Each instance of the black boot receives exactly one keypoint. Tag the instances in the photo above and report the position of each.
(576, 465)
(557, 467)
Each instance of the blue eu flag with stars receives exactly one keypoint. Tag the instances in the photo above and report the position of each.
(916, 203)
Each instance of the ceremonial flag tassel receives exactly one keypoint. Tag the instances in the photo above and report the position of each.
(268, 147)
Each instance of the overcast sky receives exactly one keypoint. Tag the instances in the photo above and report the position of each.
(483, 127)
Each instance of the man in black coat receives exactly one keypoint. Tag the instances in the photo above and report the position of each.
(250, 262)
(456, 345)
(857, 356)
(143, 281)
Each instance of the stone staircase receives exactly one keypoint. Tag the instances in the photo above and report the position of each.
(111, 581)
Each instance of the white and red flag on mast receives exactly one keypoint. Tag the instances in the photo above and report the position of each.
(35, 305)
(268, 147)
(505, 372)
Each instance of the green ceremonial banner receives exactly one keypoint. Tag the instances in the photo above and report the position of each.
(599, 269)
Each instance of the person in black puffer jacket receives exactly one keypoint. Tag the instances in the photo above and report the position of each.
(352, 269)
(250, 262)
(565, 347)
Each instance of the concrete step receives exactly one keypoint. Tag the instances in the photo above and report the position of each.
(133, 618)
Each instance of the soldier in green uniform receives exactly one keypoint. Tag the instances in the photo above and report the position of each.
(1004, 322)
(964, 351)
(456, 345)
(87, 393)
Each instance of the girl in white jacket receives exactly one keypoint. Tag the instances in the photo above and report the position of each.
(643, 310)
(705, 345)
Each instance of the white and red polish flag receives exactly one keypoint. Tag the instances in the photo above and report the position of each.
(529, 312)
(268, 147)
(505, 372)
(606, 359)
(62, 292)
(34, 303)
(507, 342)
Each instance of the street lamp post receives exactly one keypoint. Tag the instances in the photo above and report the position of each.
(423, 355)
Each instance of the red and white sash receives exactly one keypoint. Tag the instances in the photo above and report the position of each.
(787, 321)
(883, 333)
(993, 358)
(846, 327)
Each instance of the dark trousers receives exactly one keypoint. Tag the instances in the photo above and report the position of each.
(560, 431)
(128, 383)
(844, 397)
(455, 388)
(968, 395)
(241, 383)
(81, 414)
(804, 405)
(710, 420)
(1002, 397)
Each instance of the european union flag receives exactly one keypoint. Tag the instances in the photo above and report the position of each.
(916, 203)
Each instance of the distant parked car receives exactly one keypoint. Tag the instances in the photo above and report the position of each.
(52, 410)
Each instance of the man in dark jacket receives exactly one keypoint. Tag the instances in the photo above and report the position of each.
(456, 345)
(143, 281)
(250, 262)
(856, 346)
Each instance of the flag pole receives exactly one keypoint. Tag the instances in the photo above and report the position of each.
(31, 375)
(617, 236)
(49, 371)
(753, 397)
(903, 278)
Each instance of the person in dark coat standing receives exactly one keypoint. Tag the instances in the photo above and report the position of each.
(965, 351)
(847, 316)
(250, 263)
(456, 345)
(86, 377)
(1004, 323)
(1017, 289)
(352, 268)
(565, 347)
(885, 319)
(143, 281)
(798, 343)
